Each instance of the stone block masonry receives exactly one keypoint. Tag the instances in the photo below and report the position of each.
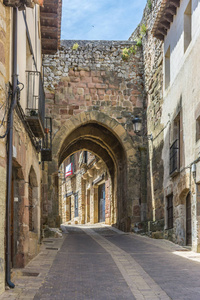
(94, 77)
(94, 81)
(153, 81)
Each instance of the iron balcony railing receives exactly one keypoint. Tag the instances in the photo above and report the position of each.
(174, 157)
(46, 151)
(35, 108)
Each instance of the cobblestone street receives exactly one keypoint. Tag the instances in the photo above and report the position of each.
(100, 262)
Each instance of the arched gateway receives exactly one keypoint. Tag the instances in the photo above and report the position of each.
(92, 95)
(106, 138)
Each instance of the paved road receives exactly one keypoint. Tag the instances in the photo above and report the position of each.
(97, 263)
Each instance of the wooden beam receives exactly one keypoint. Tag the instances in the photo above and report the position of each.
(159, 36)
(161, 30)
(165, 24)
(45, 15)
(175, 3)
(168, 17)
(171, 10)
(49, 22)
(47, 43)
(47, 29)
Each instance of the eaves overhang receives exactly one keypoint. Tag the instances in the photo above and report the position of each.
(50, 19)
(168, 9)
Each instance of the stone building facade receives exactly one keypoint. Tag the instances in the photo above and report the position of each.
(170, 48)
(92, 96)
(22, 130)
(86, 195)
(181, 108)
(153, 83)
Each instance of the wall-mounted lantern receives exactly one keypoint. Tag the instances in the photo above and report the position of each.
(137, 124)
(137, 127)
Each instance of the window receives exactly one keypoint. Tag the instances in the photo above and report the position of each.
(72, 160)
(85, 157)
(187, 25)
(167, 68)
(198, 128)
(170, 211)
(175, 147)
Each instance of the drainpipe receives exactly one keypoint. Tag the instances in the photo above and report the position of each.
(10, 150)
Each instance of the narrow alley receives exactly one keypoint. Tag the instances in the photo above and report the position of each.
(100, 262)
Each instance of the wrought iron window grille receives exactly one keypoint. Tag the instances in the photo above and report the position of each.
(174, 158)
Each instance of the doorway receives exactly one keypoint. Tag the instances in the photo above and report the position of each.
(188, 221)
(88, 206)
(101, 202)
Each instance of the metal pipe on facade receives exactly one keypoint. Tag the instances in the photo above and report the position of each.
(10, 150)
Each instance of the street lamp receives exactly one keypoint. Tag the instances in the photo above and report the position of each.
(137, 124)
(137, 127)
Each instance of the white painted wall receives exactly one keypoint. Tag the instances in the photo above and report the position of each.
(175, 37)
(185, 85)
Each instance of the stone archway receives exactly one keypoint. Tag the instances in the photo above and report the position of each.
(106, 138)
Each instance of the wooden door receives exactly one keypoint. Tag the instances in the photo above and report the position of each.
(30, 198)
(88, 206)
(188, 220)
(102, 203)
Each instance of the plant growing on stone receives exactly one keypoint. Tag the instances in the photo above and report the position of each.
(149, 3)
(143, 29)
(126, 52)
(75, 46)
(139, 41)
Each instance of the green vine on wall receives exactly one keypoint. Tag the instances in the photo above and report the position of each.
(127, 52)
(149, 3)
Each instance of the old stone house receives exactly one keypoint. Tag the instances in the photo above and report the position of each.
(25, 140)
(181, 112)
(170, 53)
(86, 194)
(148, 180)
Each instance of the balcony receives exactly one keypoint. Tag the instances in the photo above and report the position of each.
(46, 151)
(174, 158)
(35, 110)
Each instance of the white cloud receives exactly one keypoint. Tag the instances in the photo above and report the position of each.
(100, 19)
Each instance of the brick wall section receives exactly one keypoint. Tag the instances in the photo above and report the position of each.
(94, 77)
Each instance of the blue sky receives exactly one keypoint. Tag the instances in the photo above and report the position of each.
(100, 19)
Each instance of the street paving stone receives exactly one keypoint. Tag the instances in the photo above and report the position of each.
(99, 262)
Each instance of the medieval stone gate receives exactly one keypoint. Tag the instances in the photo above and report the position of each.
(92, 95)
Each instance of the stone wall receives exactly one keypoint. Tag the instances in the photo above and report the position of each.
(4, 75)
(94, 81)
(85, 183)
(26, 173)
(153, 77)
(93, 77)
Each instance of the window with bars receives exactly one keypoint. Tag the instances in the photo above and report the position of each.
(170, 211)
